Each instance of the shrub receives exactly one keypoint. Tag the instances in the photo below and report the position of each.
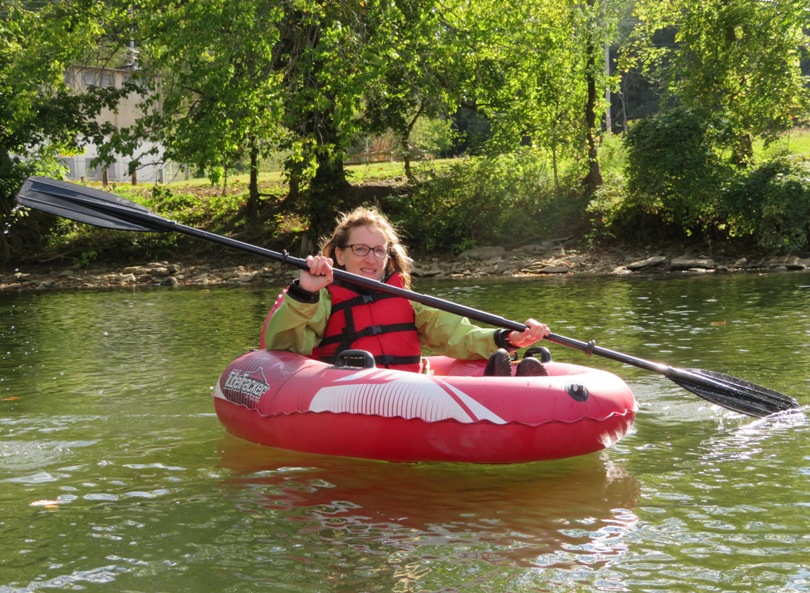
(770, 204)
(479, 201)
(673, 173)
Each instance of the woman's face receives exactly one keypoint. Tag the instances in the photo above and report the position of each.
(369, 265)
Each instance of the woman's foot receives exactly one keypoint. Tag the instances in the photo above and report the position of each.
(531, 367)
(499, 364)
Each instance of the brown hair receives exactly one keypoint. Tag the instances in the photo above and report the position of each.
(398, 260)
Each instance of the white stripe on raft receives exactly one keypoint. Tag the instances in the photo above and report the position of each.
(391, 394)
(480, 411)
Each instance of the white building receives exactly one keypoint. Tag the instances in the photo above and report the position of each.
(152, 169)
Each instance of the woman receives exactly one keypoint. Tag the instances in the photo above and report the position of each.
(320, 317)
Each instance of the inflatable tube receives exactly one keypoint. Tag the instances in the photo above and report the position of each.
(452, 413)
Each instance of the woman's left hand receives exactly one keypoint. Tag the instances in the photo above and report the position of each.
(534, 332)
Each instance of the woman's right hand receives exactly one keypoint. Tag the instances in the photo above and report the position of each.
(320, 273)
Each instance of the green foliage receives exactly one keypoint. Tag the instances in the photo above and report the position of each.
(766, 206)
(164, 198)
(239, 82)
(200, 207)
(415, 80)
(672, 172)
(770, 204)
(87, 257)
(84, 245)
(217, 99)
(479, 201)
(529, 72)
(190, 205)
(39, 114)
(614, 217)
(737, 61)
(432, 136)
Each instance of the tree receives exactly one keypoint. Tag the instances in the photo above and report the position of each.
(735, 61)
(212, 67)
(40, 117)
(417, 76)
(333, 54)
(320, 71)
(237, 80)
(538, 71)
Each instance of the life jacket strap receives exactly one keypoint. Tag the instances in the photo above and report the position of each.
(372, 330)
(362, 299)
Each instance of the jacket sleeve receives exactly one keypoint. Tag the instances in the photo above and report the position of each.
(453, 335)
(298, 325)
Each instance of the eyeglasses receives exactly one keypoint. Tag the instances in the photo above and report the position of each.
(361, 250)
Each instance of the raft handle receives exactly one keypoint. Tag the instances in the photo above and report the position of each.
(355, 359)
(544, 353)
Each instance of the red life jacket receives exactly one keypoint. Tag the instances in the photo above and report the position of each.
(381, 323)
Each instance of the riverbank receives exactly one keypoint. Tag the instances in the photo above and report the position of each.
(553, 258)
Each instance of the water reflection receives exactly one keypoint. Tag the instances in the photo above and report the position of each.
(543, 515)
(114, 468)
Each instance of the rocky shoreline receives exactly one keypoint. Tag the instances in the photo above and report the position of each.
(545, 259)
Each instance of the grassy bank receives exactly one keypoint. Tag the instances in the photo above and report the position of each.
(511, 200)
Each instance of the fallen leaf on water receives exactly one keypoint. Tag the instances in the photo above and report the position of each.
(48, 504)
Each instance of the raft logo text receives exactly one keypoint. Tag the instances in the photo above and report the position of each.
(249, 384)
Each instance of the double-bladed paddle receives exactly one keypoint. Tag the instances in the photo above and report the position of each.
(104, 209)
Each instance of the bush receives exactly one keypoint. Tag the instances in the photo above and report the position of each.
(479, 201)
(23, 231)
(770, 204)
(613, 216)
(673, 173)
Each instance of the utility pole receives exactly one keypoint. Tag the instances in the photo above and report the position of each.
(608, 119)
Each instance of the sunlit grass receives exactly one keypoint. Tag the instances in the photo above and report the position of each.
(375, 171)
(796, 141)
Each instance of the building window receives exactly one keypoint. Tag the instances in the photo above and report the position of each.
(100, 79)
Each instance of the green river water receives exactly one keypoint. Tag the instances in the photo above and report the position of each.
(115, 474)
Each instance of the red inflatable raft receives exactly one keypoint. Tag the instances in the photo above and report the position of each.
(452, 413)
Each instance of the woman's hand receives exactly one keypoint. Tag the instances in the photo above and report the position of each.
(534, 332)
(320, 273)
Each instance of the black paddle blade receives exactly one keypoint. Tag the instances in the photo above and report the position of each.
(724, 390)
(83, 204)
(733, 393)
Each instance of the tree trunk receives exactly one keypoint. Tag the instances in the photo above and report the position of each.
(406, 144)
(252, 206)
(555, 166)
(406, 158)
(742, 149)
(327, 191)
(594, 177)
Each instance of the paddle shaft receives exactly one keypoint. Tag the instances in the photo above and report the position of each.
(684, 377)
(150, 220)
(110, 211)
(589, 348)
